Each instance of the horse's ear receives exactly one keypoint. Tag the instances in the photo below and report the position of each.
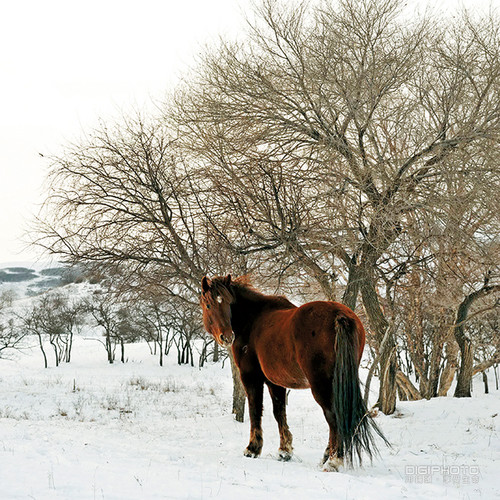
(205, 284)
(227, 281)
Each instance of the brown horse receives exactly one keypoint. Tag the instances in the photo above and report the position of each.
(317, 346)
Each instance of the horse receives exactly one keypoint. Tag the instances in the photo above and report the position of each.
(317, 345)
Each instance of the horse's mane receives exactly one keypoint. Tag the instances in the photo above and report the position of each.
(242, 289)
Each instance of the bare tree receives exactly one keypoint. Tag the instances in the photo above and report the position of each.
(347, 118)
(109, 310)
(11, 336)
(151, 316)
(317, 152)
(464, 380)
(486, 335)
(54, 318)
(123, 197)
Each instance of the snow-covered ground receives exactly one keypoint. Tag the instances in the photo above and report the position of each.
(91, 430)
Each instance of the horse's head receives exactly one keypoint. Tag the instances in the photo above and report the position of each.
(216, 299)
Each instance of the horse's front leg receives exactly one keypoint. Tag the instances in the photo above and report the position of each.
(278, 396)
(254, 387)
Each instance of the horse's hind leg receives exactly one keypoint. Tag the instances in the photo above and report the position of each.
(278, 396)
(333, 456)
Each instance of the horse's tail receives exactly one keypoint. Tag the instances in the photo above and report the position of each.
(355, 425)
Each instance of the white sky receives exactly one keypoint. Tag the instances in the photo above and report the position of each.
(66, 63)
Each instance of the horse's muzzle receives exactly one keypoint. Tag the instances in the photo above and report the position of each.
(226, 341)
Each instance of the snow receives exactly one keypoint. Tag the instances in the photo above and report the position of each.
(30, 284)
(136, 430)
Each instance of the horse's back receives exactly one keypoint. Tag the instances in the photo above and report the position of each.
(322, 316)
(291, 344)
(315, 326)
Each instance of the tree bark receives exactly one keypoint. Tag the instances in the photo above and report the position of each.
(434, 369)
(160, 348)
(450, 367)
(406, 388)
(109, 348)
(238, 391)
(387, 345)
(43, 350)
(353, 284)
(485, 380)
(464, 379)
(55, 351)
(481, 367)
(69, 347)
(388, 386)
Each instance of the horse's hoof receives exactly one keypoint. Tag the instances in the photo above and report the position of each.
(250, 454)
(333, 464)
(284, 456)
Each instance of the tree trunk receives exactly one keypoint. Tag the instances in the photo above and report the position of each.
(43, 350)
(481, 367)
(109, 348)
(55, 351)
(351, 292)
(238, 391)
(464, 380)
(369, 377)
(69, 346)
(388, 386)
(450, 367)
(406, 388)
(160, 348)
(485, 380)
(446, 379)
(434, 369)
(386, 344)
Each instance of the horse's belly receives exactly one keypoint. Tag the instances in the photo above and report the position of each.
(290, 382)
(286, 376)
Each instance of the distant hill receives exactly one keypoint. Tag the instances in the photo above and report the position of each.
(29, 280)
(16, 274)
